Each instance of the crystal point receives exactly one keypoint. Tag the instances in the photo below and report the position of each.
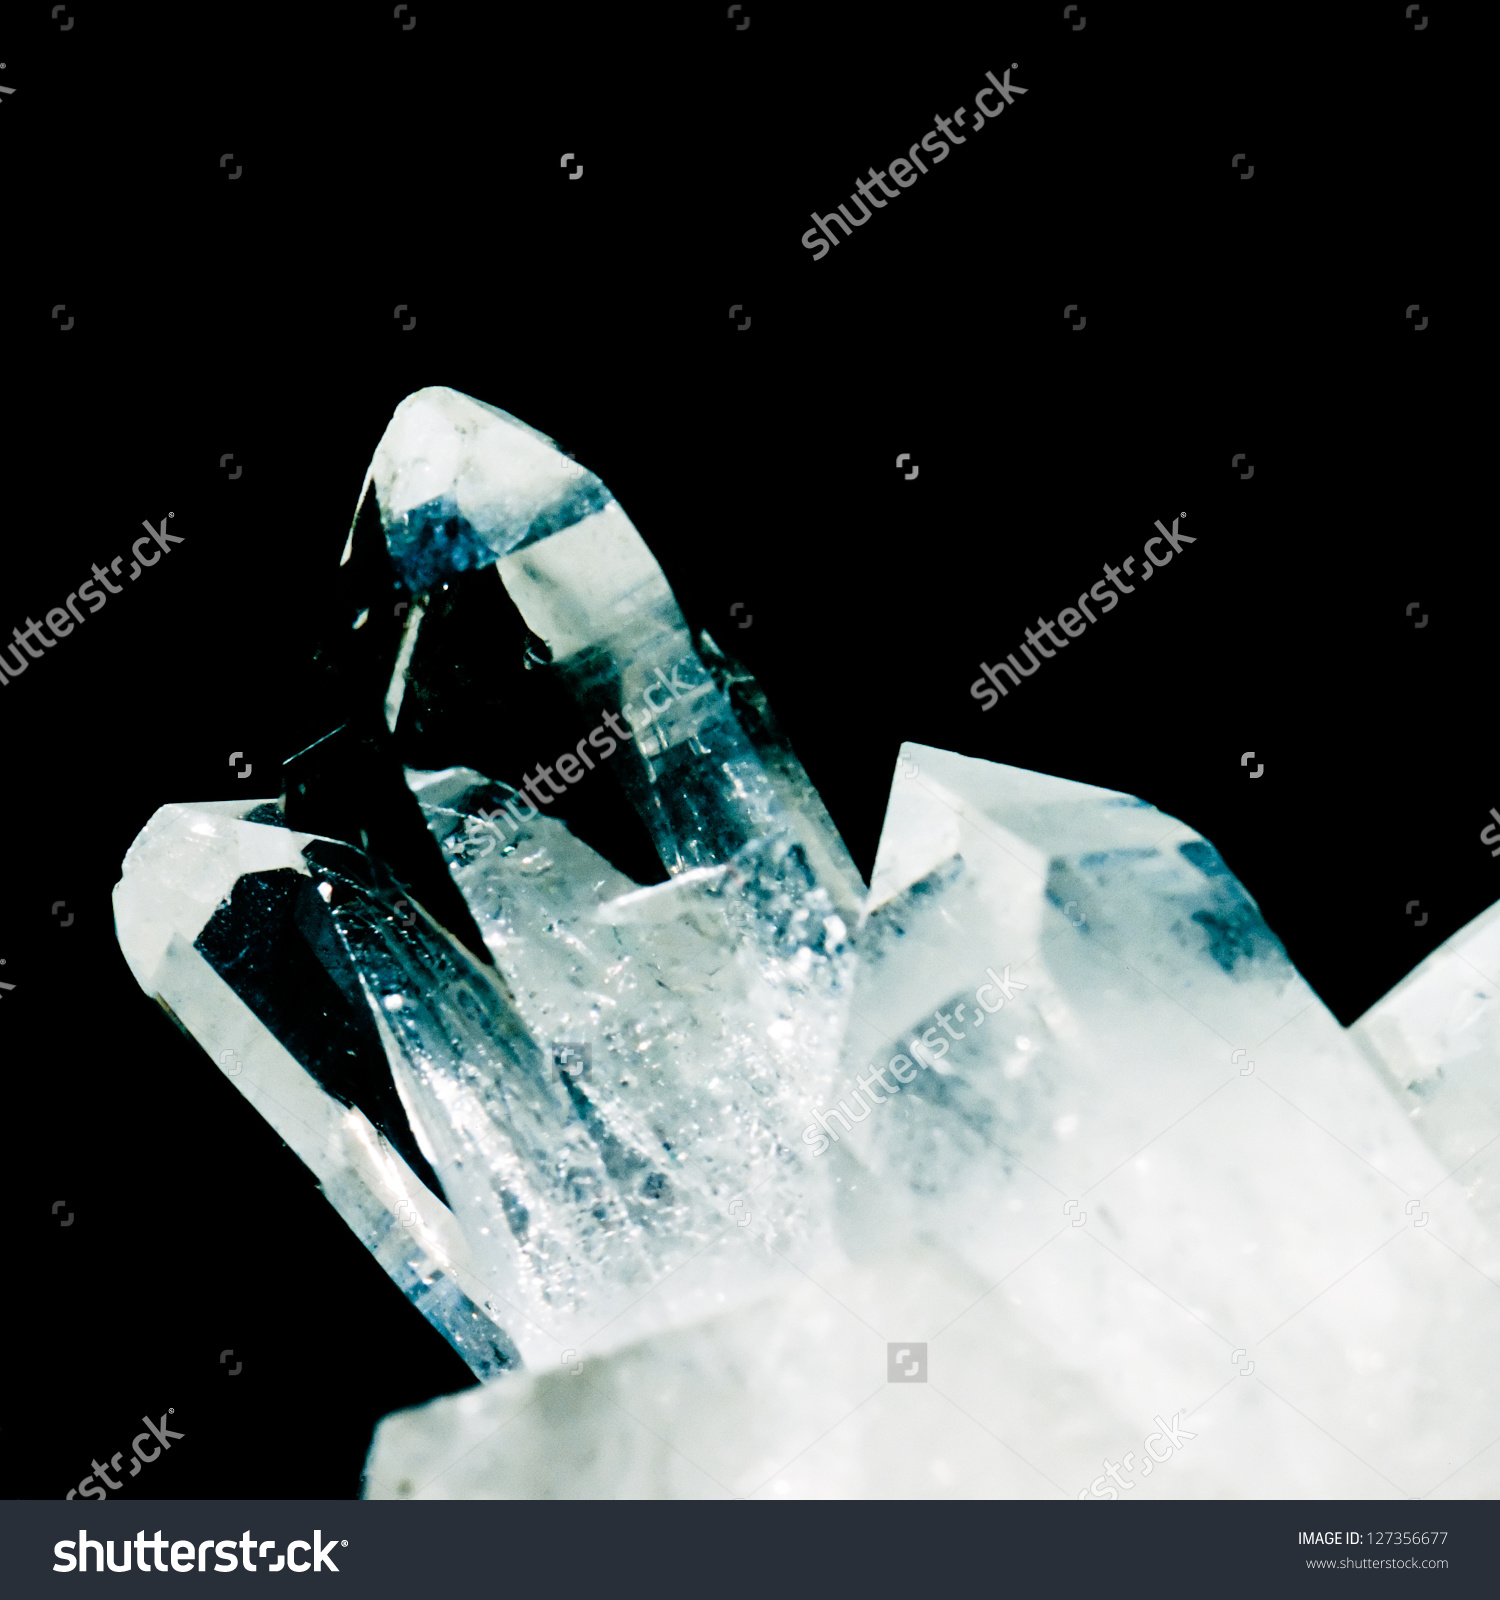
(1141, 1160)
(460, 483)
(682, 1157)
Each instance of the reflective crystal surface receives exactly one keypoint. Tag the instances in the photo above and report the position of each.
(587, 1077)
(1150, 1184)
(294, 1055)
(1037, 1155)
(1437, 1035)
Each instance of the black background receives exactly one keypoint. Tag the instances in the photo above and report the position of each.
(383, 167)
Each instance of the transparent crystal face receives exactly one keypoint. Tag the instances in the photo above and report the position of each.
(637, 1059)
(591, 1101)
(1049, 1099)
(1144, 1180)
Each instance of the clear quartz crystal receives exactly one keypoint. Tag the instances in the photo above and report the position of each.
(1437, 1036)
(675, 1036)
(1048, 1102)
(626, 1089)
(459, 485)
(1153, 1184)
(183, 866)
(595, 1110)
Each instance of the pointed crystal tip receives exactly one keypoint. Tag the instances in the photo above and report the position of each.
(460, 483)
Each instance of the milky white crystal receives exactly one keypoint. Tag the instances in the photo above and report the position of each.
(1159, 1187)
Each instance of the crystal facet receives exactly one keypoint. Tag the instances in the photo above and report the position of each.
(710, 1157)
(1153, 1182)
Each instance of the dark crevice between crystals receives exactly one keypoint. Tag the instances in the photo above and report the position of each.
(350, 786)
(274, 943)
(481, 693)
(355, 663)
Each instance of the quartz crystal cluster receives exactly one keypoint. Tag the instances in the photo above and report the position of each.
(1034, 1169)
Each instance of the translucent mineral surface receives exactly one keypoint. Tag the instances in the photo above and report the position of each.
(1034, 1169)
(550, 1125)
(1152, 1209)
(1437, 1036)
(189, 865)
